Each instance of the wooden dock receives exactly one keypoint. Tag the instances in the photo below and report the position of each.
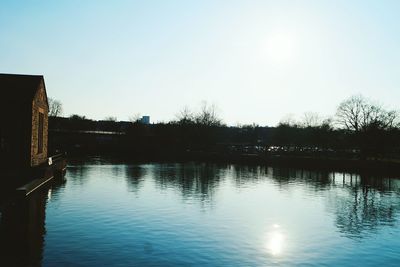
(54, 169)
(34, 185)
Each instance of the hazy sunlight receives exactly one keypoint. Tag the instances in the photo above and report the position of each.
(279, 47)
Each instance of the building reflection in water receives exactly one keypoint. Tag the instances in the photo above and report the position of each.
(22, 228)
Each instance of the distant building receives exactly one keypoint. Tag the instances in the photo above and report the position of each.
(145, 120)
(24, 120)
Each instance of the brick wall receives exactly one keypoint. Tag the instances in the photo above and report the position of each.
(39, 104)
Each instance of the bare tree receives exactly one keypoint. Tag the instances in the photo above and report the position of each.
(393, 119)
(77, 117)
(110, 118)
(359, 114)
(185, 116)
(327, 124)
(208, 116)
(349, 113)
(382, 119)
(311, 119)
(55, 107)
(135, 118)
(288, 120)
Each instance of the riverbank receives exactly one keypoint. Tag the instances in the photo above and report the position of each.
(387, 166)
(390, 167)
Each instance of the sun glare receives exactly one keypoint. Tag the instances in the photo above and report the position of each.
(275, 241)
(279, 47)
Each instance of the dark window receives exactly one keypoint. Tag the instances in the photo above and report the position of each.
(40, 133)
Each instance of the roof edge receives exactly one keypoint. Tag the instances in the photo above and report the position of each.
(26, 75)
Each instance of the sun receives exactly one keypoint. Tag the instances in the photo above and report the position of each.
(279, 47)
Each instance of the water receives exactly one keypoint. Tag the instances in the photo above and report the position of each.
(193, 214)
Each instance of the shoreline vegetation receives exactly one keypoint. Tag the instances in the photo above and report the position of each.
(387, 167)
(362, 135)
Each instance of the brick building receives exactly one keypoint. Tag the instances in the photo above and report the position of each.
(23, 121)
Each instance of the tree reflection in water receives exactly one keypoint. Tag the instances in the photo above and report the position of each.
(363, 203)
(359, 205)
(359, 202)
(193, 180)
(135, 175)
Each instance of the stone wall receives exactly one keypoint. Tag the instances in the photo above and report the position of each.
(39, 105)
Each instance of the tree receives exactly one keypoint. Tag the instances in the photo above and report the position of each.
(77, 117)
(391, 119)
(185, 116)
(110, 118)
(349, 113)
(288, 120)
(311, 119)
(359, 114)
(55, 107)
(135, 118)
(207, 116)
(326, 124)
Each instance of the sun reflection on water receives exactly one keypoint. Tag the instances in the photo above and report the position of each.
(275, 241)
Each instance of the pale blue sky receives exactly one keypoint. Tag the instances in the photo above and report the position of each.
(256, 60)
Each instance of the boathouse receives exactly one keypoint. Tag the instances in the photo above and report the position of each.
(23, 121)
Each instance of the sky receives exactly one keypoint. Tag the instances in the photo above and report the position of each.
(256, 61)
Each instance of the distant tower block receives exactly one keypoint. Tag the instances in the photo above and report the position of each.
(145, 120)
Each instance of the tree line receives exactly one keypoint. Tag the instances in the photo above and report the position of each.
(357, 114)
(358, 125)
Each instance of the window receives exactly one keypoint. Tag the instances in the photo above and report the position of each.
(40, 133)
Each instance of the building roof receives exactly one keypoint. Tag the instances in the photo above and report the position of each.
(18, 90)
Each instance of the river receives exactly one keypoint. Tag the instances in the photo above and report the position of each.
(115, 213)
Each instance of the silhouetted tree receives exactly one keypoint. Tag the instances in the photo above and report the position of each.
(311, 119)
(185, 116)
(359, 114)
(110, 118)
(55, 107)
(135, 118)
(77, 117)
(288, 120)
(208, 116)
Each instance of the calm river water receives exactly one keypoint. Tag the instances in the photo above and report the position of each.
(201, 214)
